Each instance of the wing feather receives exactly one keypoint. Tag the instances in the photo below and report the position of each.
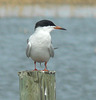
(51, 51)
(28, 50)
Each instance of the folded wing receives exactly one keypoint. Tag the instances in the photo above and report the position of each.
(51, 51)
(28, 50)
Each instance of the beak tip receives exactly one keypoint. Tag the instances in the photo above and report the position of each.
(58, 27)
(64, 29)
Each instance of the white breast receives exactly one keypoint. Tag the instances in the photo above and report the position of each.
(40, 43)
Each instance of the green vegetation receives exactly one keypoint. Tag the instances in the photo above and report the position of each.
(32, 2)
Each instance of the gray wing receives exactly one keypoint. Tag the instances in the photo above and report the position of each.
(51, 51)
(28, 50)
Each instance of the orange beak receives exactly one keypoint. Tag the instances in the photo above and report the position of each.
(60, 28)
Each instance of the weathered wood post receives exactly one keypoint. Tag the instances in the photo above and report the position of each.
(37, 85)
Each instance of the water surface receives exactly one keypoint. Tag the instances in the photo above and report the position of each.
(74, 61)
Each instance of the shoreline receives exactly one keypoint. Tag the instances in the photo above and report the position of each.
(44, 11)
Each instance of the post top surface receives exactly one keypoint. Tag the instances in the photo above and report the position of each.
(30, 71)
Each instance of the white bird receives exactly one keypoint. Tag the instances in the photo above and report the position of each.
(39, 45)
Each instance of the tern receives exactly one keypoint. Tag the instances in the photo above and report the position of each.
(39, 44)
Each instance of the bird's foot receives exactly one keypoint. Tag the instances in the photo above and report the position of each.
(35, 69)
(45, 69)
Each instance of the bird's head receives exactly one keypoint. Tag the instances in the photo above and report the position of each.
(47, 25)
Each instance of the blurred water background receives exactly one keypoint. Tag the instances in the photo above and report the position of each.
(74, 61)
(75, 58)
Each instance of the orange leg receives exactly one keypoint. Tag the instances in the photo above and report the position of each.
(35, 66)
(45, 67)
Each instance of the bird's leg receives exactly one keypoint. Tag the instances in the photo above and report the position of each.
(35, 66)
(45, 67)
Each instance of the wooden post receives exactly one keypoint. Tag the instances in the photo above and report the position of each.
(37, 85)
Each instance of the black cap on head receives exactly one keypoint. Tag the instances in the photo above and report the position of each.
(44, 23)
